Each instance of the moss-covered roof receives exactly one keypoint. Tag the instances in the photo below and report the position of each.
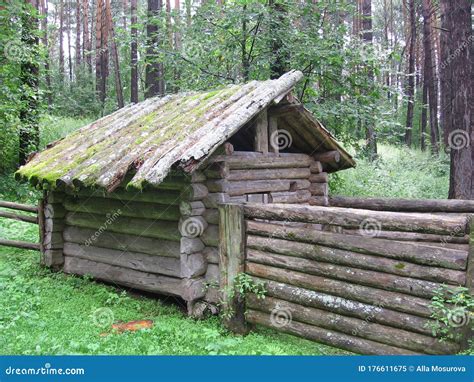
(150, 137)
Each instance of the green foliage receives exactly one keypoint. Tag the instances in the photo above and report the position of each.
(398, 172)
(452, 312)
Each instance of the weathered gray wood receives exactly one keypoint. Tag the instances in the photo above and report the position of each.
(18, 206)
(331, 157)
(192, 208)
(213, 200)
(217, 170)
(193, 226)
(272, 130)
(269, 174)
(357, 260)
(41, 222)
(193, 289)
(255, 198)
(155, 196)
(193, 265)
(468, 330)
(261, 132)
(197, 177)
(211, 215)
(195, 191)
(408, 205)
(135, 279)
(353, 218)
(396, 301)
(122, 242)
(54, 225)
(390, 282)
(319, 189)
(20, 244)
(354, 326)
(250, 161)
(128, 208)
(212, 255)
(120, 224)
(55, 197)
(318, 201)
(328, 301)
(19, 217)
(232, 263)
(210, 237)
(238, 188)
(315, 167)
(54, 211)
(299, 196)
(191, 245)
(213, 274)
(169, 266)
(319, 178)
(411, 252)
(328, 337)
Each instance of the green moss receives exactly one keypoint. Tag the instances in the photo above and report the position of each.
(400, 265)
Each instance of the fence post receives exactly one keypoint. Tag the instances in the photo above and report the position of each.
(468, 333)
(232, 262)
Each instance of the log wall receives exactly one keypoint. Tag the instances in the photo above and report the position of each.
(352, 285)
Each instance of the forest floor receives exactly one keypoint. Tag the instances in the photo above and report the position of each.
(42, 312)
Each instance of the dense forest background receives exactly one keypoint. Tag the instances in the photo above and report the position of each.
(377, 72)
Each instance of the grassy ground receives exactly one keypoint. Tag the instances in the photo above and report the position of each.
(51, 313)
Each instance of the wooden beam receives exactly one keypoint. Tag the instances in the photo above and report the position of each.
(18, 206)
(22, 218)
(20, 244)
(261, 133)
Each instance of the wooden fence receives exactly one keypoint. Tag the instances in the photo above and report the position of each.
(33, 219)
(356, 279)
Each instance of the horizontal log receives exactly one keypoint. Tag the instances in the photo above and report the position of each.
(318, 201)
(192, 208)
(53, 240)
(269, 174)
(54, 225)
(55, 197)
(390, 282)
(54, 211)
(256, 186)
(353, 218)
(156, 196)
(123, 276)
(121, 224)
(173, 183)
(319, 178)
(357, 260)
(407, 205)
(19, 217)
(369, 295)
(319, 189)
(210, 237)
(353, 326)
(197, 177)
(213, 274)
(211, 215)
(331, 157)
(18, 206)
(328, 337)
(20, 244)
(375, 313)
(299, 196)
(191, 245)
(132, 209)
(212, 255)
(411, 252)
(195, 191)
(169, 266)
(213, 200)
(217, 170)
(252, 161)
(122, 242)
(315, 167)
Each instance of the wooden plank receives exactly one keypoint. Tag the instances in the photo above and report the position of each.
(407, 205)
(361, 261)
(269, 174)
(18, 206)
(122, 242)
(261, 132)
(232, 263)
(18, 217)
(405, 251)
(20, 244)
(239, 188)
(353, 326)
(319, 189)
(249, 161)
(354, 218)
(369, 295)
(156, 196)
(168, 266)
(321, 177)
(299, 196)
(315, 167)
(328, 337)
(123, 276)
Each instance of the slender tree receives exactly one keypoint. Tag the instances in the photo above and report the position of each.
(78, 34)
(68, 30)
(102, 53)
(280, 60)
(410, 88)
(86, 38)
(115, 56)
(133, 53)
(61, 40)
(154, 81)
(45, 42)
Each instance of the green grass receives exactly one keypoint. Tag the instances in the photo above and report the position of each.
(53, 128)
(398, 172)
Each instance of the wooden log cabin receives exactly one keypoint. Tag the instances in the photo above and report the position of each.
(132, 198)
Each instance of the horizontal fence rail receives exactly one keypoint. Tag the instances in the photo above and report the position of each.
(33, 219)
(357, 279)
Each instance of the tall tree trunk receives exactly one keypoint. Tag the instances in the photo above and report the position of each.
(243, 45)
(29, 69)
(424, 112)
(280, 60)
(61, 40)
(410, 90)
(115, 57)
(154, 81)
(102, 55)
(125, 13)
(47, 74)
(429, 75)
(86, 38)
(78, 35)
(69, 41)
(133, 53)
(457, 93)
